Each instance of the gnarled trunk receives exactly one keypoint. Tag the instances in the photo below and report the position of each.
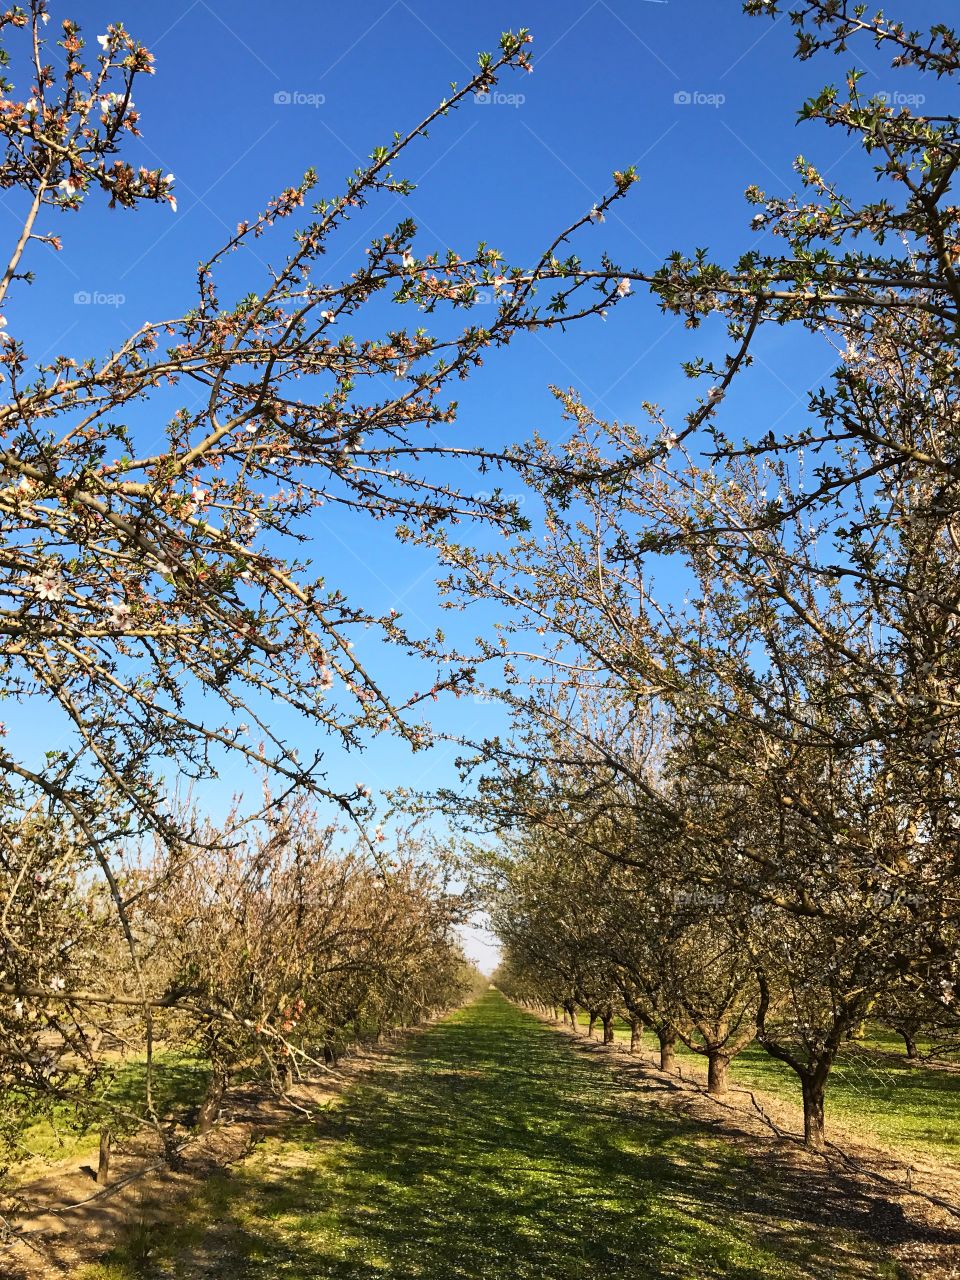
(591, 1024)
(103, 1164)
(717, 1063)
(636, 1034)
(813, 1121)
(210, 1107)
(608, 1028)
(668, 1046)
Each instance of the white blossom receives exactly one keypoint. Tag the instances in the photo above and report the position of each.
(48, 585)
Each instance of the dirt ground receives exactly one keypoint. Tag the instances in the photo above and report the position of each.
(64, 1221)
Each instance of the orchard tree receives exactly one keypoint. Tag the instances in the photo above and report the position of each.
(810, 739)
(155, 594)
(274, 951)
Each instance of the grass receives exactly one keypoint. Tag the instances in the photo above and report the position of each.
(872, 1089)
(489, 1149)
(179, 1083)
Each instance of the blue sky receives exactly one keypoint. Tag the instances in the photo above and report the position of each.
(247, 95)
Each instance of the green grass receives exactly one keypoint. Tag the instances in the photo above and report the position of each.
(179, 1083)
(489, 1149)
(872, 1089)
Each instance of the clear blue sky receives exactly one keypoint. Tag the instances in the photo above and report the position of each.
(603, 95)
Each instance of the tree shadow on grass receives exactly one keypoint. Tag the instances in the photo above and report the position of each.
(490, 1150)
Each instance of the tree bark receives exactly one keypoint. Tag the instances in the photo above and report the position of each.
(210, 1107)
(591, 1024)
(813, 1120)
(103, 1164)
(608, 1029)
(910, 1043)
(636, 1034)
(717, 1063)
(570, 1009)
(668, 1044)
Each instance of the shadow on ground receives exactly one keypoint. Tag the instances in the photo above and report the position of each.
(489, 1150)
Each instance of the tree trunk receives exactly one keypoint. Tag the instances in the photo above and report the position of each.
(103, 1165)
(608, 1029)
(591, 1024)
(636, 1034)
(813, 1113)
(210, 1107)
(668, 1044)
(717, 1063)
(911, 1044)
(570, 1009)
(553, 1010)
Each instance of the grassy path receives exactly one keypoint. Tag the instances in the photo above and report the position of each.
(487, 1150)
